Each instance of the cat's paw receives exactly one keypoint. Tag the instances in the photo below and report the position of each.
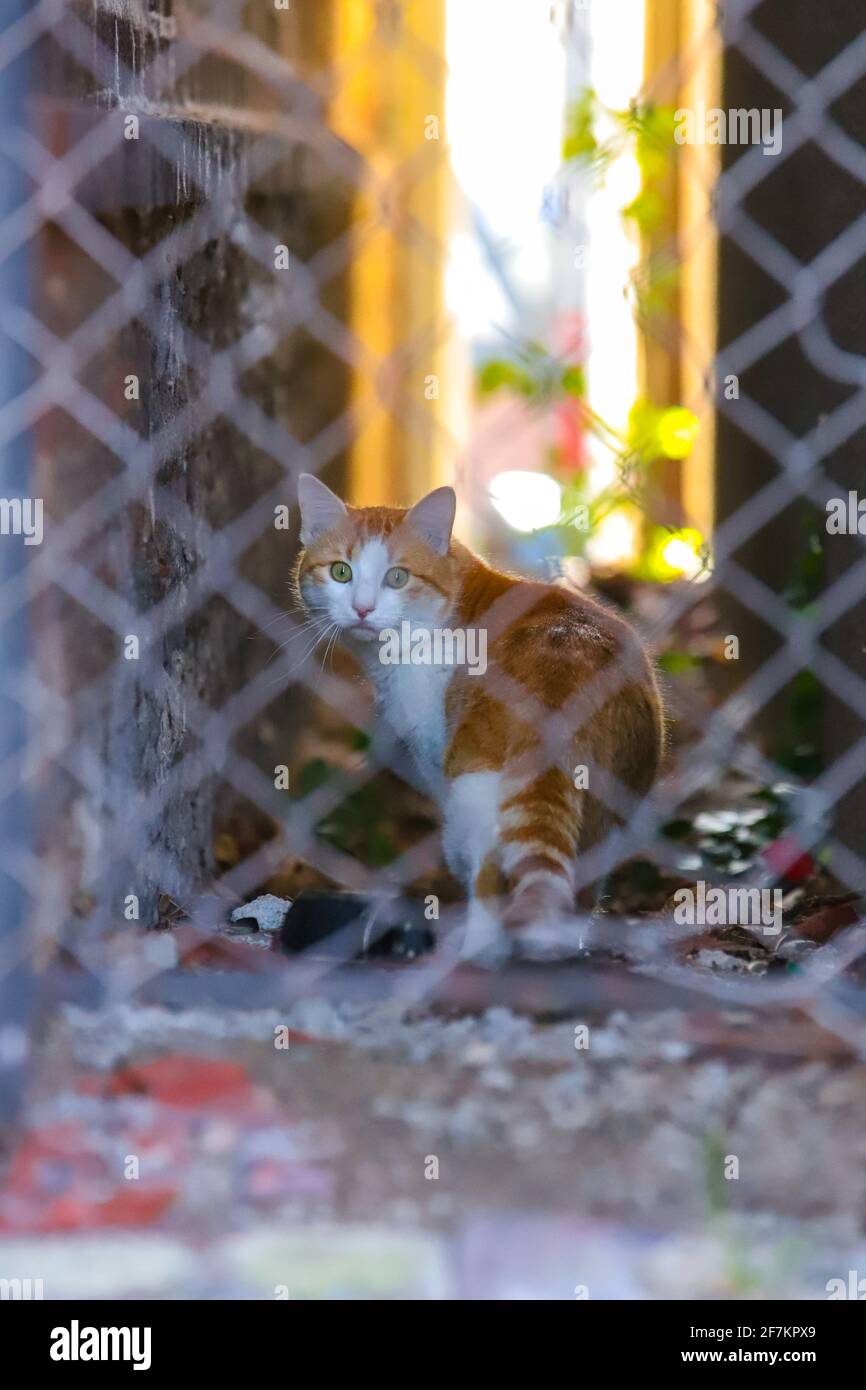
(541, 928)
(551, 940)
(484, 941)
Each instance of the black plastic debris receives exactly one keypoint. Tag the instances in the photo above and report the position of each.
(352, 925)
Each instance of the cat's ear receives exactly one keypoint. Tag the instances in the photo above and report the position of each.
(321, 509)
(433, 518)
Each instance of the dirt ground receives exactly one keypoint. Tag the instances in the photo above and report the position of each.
(382, 1154)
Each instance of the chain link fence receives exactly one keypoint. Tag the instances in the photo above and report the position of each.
(175, 241)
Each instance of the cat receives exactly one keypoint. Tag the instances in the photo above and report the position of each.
(567, 695)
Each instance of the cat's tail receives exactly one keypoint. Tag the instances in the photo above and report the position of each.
(540, 815)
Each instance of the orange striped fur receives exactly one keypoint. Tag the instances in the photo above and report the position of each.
(567, 684)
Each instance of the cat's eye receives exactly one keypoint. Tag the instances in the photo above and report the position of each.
(396, 577)
(341, 571)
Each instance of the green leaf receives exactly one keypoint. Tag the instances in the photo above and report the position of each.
(677, 829)
(312, 776)
(677, 662)
(573, 381)
(579, 141)
(498, 375)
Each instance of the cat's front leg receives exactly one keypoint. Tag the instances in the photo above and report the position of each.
(389, 748)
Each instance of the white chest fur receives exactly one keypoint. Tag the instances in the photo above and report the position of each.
(412, 701)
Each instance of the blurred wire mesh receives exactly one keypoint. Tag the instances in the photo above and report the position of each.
(179, 226)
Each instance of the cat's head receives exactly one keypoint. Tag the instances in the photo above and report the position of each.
(370, 568)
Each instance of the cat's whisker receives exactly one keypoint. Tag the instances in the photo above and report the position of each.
(264, 629)
(333, 646)
(283, 645)
(325, 629)
(330, 644)
(319, 626)
(327, 637)
(280, 618)
(287, 616)
(299, 631)
(303, 630)
(318, 633)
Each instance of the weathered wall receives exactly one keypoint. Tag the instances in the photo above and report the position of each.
(141, 717)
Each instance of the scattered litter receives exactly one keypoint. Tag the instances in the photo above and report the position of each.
(719, 960)
(268, 911)
(796, 949)
(348, 925)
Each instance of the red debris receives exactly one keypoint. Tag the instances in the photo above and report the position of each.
(132, 1206)
(58, 1181)
(74, 1174)
(788, 860)
(184, 1081)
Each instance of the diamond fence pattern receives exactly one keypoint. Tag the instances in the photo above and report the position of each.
(103, 734)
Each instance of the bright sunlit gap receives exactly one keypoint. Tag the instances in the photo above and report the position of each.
(505, 142)
(682, 553)
(527, 501)
(504, 110)
(616, 73)
(616, 539)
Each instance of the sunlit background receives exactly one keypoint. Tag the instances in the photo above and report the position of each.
(548, 196)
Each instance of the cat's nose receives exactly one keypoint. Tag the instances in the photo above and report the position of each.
(362, 612)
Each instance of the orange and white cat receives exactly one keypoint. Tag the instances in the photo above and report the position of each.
(531, 757)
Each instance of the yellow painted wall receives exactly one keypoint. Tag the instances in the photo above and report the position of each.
(683, 66)
(388, 94)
